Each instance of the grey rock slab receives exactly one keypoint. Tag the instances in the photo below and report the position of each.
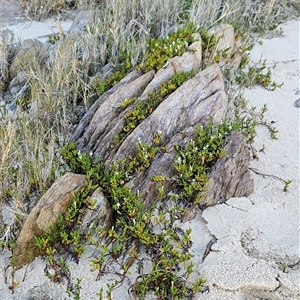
(206, 97)
(103, 117)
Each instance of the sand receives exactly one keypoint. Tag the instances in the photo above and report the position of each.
(256, 255)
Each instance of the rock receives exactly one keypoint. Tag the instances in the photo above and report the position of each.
(195, 102)
(83, 19)
(87, 118)
(19, 86)
(225, 37)
(227, 44)
(175, 118)
(178, 112)
(53, 203)
(31, 54)
(108, 111)
(100, 215)
(84, 35)
(237, 55)
(230, 176)
(102, 74)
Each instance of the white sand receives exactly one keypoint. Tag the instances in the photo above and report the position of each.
(256, 235)
(39, 30)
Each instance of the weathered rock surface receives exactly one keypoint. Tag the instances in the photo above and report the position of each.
(102, 121)
(230, 176)
(227, 45)
(30, 54)
(99, 215)
(52, 204)
(194, 102)
(81, 133)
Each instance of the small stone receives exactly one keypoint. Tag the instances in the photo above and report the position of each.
(297, 103)
(99, 214)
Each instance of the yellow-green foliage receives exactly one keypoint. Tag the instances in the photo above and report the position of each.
(160, 50)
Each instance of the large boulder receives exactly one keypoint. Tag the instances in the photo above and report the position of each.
(53, 203)
(176, 117)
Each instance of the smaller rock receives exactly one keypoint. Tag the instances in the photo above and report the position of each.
(227, 44)
(225, 37)
(99, 215)
(297, 103)
(83, 19)
(19, 87)
(31, 54)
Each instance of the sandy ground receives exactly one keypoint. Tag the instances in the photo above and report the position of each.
(13, 17)
(256, 236)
